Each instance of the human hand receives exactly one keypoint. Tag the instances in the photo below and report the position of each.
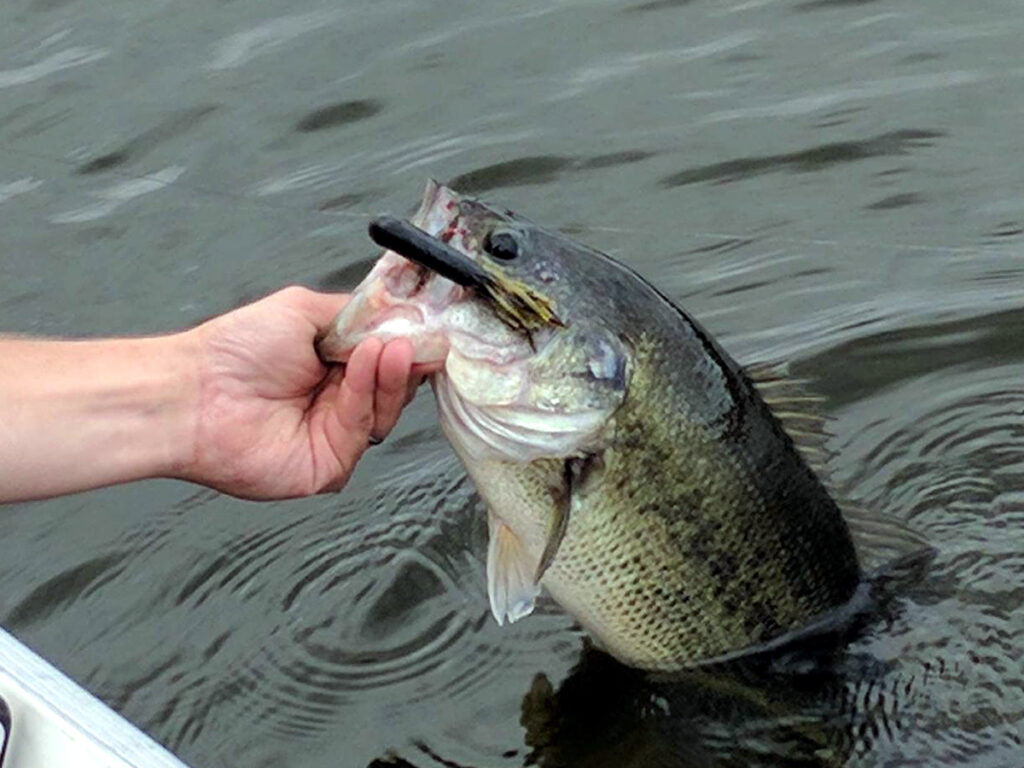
(271, 420)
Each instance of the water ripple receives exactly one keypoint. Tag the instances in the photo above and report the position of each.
(18, 187)
(241, 47)
(952, 463)
(66, 59)
(116, 195)
(382, 598)
(631, 64)
(834, 97)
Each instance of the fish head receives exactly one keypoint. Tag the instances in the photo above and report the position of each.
(527, 369)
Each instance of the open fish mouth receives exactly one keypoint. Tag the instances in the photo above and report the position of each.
(430, 264)
(405, 297)
(408, 240)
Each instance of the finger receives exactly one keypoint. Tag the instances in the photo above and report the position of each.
(350, 423)
(393, 372)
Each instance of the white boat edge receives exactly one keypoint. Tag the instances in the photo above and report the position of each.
(55, 723)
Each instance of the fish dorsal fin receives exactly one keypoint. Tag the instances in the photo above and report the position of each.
(799, 410)
(510, 573)
(881, 540)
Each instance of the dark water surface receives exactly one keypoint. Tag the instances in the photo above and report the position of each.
(838, 184)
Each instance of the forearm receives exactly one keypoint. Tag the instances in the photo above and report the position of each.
(81, 414)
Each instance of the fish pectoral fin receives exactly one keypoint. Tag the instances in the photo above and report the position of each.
(562, 497)
(576, 471)
(510, 570)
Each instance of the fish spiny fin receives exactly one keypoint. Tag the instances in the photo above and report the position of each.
(798, 409)
(882, 540)
(510, 571)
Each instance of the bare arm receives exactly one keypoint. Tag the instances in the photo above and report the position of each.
(80, 414)
(241, 404)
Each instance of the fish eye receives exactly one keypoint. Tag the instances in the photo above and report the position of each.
(501, 245)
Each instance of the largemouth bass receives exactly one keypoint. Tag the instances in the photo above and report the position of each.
(629, 465)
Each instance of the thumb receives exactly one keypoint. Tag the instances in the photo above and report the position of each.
(350, 418)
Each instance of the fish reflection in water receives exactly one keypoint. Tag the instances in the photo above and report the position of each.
(789, 710)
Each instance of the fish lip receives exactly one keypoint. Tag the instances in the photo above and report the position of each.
(420, 247)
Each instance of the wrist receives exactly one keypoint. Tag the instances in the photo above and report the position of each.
(138, 403)
(172, 395)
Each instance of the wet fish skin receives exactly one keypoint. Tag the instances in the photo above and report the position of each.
(696, 530)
